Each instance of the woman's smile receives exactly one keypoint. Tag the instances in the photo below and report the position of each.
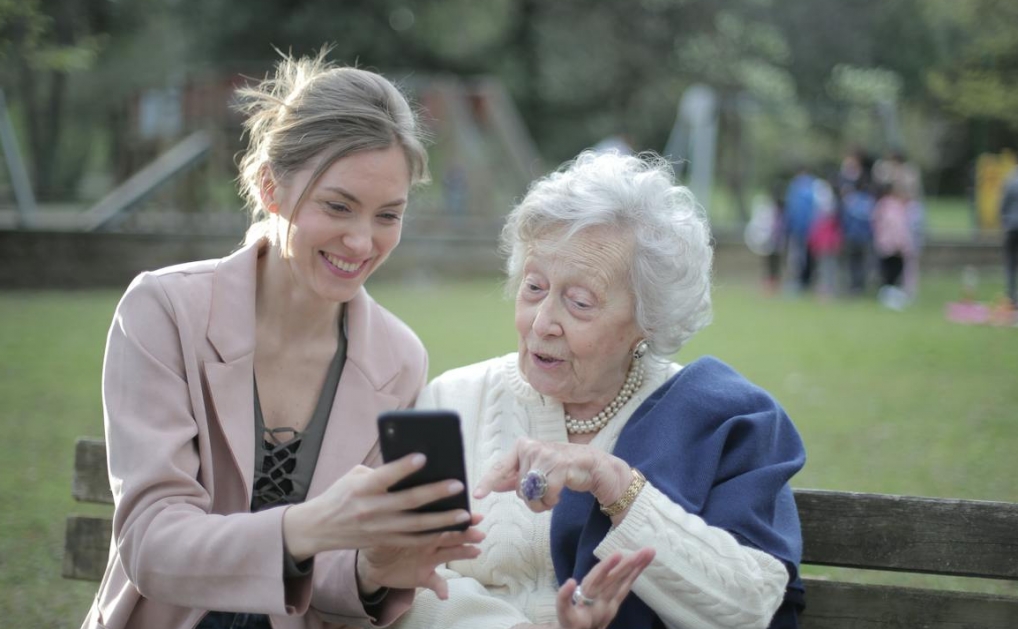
(342, 268)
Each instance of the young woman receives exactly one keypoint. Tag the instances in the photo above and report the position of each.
(240, 394)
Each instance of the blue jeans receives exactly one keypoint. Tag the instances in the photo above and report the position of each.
(234, 620)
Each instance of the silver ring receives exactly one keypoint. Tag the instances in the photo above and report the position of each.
(533, 485)
(580, 599)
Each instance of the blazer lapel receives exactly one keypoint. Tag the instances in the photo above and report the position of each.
(230, 383)
(352, 433)
(371, 364)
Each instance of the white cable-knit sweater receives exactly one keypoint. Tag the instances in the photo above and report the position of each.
(700, 577)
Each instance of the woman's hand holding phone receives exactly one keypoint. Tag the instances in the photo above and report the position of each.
(407, 516)
(435, 434)
(409, 567)
(359, 511)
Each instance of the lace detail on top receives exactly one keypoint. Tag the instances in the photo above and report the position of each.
(274, 482)
(285, 458)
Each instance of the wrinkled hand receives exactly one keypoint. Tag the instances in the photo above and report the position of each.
(411, 567)
(581, 468)
(358, 511)
(607, 584)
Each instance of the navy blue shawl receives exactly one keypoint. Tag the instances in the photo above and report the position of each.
(720, 447)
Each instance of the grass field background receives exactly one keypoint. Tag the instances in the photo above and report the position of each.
(890, 402)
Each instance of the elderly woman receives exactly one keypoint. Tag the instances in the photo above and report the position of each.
(589, 444)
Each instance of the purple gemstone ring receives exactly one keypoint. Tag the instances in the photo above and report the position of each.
(533, 485)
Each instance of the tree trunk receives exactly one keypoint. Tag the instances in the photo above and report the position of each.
(53, 123)
(736, 170)
(40, 173)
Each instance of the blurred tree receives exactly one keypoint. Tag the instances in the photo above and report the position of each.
(743, 56)
(796, 78)
(456, 36)
(579, 69)
(837, 49)
(44, 42)
(976, 74)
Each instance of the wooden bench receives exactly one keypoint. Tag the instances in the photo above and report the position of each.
(87, 538)
(897, 534)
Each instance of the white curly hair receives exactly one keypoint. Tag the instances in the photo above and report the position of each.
(638, 198)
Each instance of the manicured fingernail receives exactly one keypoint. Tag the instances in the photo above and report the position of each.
(463, 517)
(418, 459)
(455, 487)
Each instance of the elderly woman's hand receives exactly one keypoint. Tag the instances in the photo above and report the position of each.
(594, 603)
(564, 465)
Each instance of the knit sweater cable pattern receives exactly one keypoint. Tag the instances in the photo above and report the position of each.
(701, 577)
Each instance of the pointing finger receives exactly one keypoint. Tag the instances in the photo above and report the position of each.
(502, 476)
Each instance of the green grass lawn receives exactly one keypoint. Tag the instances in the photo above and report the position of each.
(886, 402)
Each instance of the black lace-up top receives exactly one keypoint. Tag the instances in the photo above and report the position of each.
(288, 457)
(285, 460)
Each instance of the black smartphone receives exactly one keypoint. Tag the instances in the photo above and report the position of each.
(435, 434)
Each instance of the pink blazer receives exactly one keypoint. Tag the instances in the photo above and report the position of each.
(179, 412)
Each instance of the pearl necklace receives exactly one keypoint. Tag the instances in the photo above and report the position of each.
(633, 381)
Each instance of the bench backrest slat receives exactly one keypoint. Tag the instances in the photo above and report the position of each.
(902, 533)
(91, 480)
(86, 547)
(836, 605)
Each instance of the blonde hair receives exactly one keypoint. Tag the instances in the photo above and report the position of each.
(311, 109)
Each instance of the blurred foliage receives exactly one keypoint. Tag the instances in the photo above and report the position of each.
(976, 76)
(22, 27)
(52, 51)
(867, 86)
(798, 80)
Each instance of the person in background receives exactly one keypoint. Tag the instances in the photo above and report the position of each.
(619, 489)
(892, 243)
(240, 395)
(824, 240)
(765, 236)
(800, 212)
(857, 229)
(895, 169)
(904, 177)
(852, 171)
(1009, 224)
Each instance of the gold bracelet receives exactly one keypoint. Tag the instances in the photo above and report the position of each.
(628, 497)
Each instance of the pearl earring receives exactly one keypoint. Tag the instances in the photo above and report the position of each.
(641, 349)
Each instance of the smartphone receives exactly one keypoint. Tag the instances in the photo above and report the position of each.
(435, 434)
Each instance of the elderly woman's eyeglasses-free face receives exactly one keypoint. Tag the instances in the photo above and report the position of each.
(575, 316)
